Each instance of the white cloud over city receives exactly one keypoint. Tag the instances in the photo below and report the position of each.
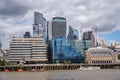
(16, 16)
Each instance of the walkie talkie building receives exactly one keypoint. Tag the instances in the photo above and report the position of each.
(59, 27)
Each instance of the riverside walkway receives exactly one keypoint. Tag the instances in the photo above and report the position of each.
(47, 67)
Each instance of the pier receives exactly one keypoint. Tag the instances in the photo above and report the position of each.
(48, 67)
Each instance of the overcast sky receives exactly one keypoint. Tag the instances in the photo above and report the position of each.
(16, 16)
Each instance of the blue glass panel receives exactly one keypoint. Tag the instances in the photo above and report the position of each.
(63, 51)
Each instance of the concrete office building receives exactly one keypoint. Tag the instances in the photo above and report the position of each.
(99, 55)
(30, 50)
(59, 27)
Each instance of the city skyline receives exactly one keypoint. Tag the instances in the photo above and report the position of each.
(17, 16)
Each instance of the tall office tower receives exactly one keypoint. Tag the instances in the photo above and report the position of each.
(89, 36)
(73, 34)
(29, 50)
(59, 27)
(39, 26)
(27, 35)
(47, 38)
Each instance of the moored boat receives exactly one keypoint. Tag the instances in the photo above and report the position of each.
(89, 68)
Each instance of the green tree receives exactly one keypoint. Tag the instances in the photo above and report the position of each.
(119, 57)
(2, 62)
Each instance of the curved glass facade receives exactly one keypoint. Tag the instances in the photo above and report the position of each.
(59, 19)
(62, 51)
(73, 34)
(59, 27)
(39, 26)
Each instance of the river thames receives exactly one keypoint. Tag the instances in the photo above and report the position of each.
(107, 74)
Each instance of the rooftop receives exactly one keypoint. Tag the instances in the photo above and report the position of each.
(59, 19)
(99, 51)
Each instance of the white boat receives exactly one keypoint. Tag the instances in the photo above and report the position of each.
(89, 68)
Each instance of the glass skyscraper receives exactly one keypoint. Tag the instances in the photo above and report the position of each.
(59, 27)
(39, 26)
(61, 51)
(72, 34)
(89, 36)
(80, 45)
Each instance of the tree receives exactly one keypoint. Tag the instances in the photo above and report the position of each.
(2, 62)
(119, 57)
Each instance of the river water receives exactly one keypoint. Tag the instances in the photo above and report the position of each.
(107, 74)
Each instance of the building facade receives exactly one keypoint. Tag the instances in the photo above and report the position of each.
(101, 43)
(99, 55)
(39, 26)
(89, 36)
(81, 45)
(116, 48)
(72, 34)
(59, 27)
(6, 55)
(28, 50)
(61, 51)
(1, 54)
(27, 35)
(0, 45)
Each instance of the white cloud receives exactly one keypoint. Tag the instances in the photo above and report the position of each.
(17, 15)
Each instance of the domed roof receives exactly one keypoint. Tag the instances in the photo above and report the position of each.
(100, 51)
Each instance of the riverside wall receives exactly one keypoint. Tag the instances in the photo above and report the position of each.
(48, 67)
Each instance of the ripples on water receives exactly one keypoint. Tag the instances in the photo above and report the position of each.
(85, 75)
(61, 79)
(62, 75)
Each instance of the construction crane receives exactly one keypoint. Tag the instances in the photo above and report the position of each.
(81, 30)
(95, 30)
